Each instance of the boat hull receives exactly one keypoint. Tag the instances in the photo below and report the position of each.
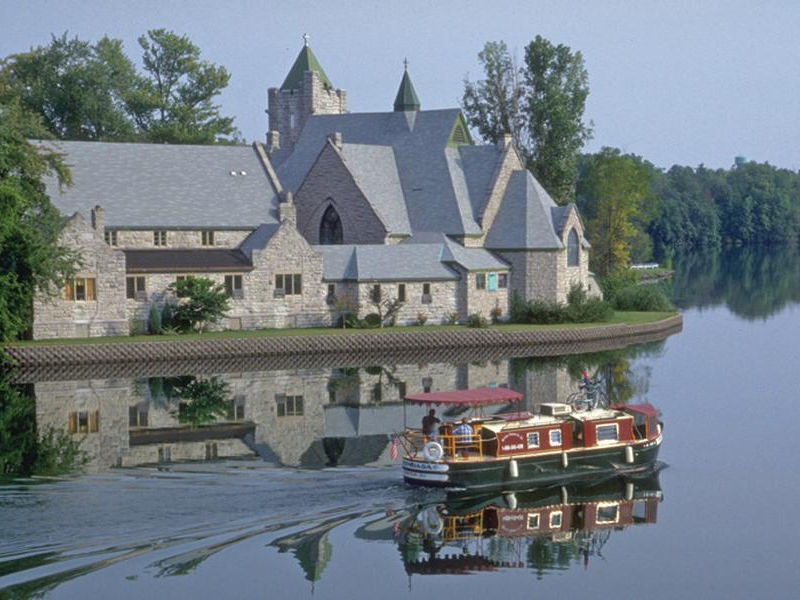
(580, 463)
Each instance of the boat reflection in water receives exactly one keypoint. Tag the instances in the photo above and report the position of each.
(544, 529)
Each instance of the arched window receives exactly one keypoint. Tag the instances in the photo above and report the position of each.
(572, 249)
(330, 228)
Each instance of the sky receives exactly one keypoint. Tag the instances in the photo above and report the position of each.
(681, 82)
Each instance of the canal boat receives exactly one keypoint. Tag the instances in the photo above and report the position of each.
(511, 448)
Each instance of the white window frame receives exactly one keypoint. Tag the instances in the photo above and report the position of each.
(553, 515)
(535, 518)
(603, 442)
(560, 437)
(603, 505)
(535, 435)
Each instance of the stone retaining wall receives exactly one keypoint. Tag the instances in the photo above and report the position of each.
(343, 348)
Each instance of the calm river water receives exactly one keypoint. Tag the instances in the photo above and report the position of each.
(276, 481)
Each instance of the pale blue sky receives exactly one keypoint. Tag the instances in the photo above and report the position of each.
(676, 82)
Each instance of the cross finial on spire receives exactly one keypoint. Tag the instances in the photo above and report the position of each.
(405, 63)
(306, 37)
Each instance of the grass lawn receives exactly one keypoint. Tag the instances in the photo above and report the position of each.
(620, 317)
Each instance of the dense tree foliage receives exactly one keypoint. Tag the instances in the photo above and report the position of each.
(202, 302)
(85, 91)
(540, 104)
(31, 260)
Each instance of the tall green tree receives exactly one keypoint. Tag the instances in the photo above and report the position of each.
(175, 101)
(612, 196)
(31, 259)
(541, 104)
(79, 89)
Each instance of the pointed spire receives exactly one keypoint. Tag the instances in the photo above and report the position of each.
(305, 61)
(407, 98)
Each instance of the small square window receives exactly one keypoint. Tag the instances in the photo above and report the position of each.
(111, 237)
(159, 238)
(555, 437)
(533, 439)
(207, 238)
(607, 434)
(135, 288)
(608, 513)
(502, 280)
(555, 519)
(480, 281)
(533, 520)
(233, 286)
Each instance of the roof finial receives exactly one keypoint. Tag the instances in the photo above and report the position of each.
(306, 37)
(405, 63)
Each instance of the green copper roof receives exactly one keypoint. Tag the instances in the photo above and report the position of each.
(306, 61)
(406, 96)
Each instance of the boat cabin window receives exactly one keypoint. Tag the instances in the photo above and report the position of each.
(533, 439)
(555, 437)
(555, 519)
(533, 520)
(607, 434)
(652, 425)
(608, 513)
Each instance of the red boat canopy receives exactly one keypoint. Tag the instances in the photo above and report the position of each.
(646, 409)
(476, 397)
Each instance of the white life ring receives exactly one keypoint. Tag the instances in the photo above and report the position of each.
(433, 451)
(432, 522)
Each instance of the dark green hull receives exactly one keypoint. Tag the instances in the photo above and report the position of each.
(583, 464)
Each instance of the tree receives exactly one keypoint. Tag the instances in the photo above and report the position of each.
(79, 89)
(540, 104)
(612, 195)
(385, 307)
(202, 302)
(31, 259)
(174, 104)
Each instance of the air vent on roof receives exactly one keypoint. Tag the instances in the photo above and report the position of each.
(242, 172)
(234, 173)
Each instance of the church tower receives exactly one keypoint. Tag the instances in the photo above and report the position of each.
(305, 91)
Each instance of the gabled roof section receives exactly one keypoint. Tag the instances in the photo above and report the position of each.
(561, 215)
(163, 186)
(525, 217)
(305, 61)
(459, 135)
(258, 239)
(434, 188)
(377, 262)
(374, 169)
(406, 98)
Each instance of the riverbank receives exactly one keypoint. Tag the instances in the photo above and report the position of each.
(308, 342)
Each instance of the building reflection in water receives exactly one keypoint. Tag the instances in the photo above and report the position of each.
(302, 417)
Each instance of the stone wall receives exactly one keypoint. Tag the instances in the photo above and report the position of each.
(341, 349)
(329, 183)
(128, 238)
(56, 317)
(482, 301)
(441, 305)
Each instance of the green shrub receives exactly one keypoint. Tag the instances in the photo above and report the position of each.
(496, 313)
(168, 316)
(642, 298)
(590, 311)
(452, 318)
(422, 318)
(372, 320)
(476, 320)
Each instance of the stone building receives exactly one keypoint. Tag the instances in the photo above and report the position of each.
(337, 206)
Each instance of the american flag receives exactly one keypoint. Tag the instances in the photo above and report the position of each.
(394, 449)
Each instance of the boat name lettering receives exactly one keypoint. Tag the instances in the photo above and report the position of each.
(513, 446)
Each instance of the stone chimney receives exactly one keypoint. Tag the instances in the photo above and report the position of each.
(504, 140)
(273, 141)
(287, 210)
(336, 139)
(99, 220)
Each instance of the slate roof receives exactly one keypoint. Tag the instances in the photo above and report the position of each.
(472, 259)
(436, 193)
(377, 262)
(147, 186)
(185, 261)
(258, 239)
(525, 217)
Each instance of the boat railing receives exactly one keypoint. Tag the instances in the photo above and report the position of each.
(452, 445)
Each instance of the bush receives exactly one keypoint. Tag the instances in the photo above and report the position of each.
(154, 319)
(372, 320)
(476, 320)
(422, 318)
(589, 311)
(579, 310)
(642, 298)
(168, 316)
(496, 313)
(452, 318)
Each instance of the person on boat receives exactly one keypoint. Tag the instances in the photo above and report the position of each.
(463, 436)
(430, 424)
